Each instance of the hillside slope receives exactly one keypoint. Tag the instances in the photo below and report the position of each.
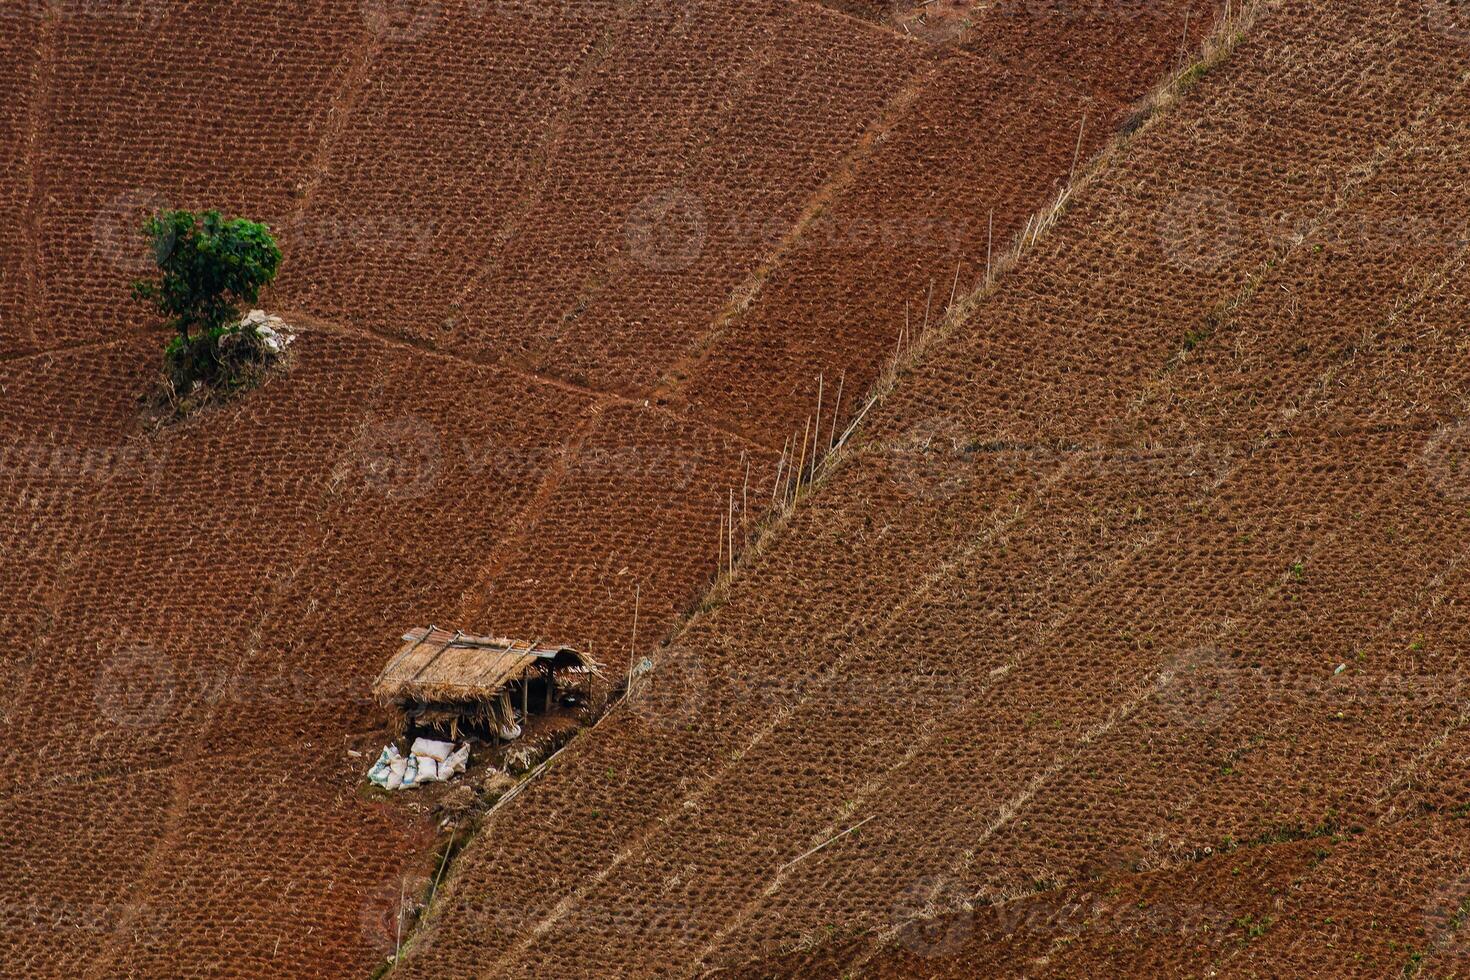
(518, 236)
(1156, 553)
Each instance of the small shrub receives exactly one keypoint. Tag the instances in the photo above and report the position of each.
(207, 266)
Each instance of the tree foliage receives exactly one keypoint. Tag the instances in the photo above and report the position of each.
(207, 266)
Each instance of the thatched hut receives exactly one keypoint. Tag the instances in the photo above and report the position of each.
(456, 683)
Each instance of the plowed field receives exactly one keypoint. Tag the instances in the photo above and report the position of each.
(1147, 578)
(1331, 905)
(564, 283)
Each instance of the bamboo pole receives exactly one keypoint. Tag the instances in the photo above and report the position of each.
(835, 837)
(398, 924)
(852, 426)
(790, 469)
(953, 288)
(633, 643)
(929, 301)
(788, 491)
(800, 470)
(989, 244)
(745, 503)
(837, 409)
(730, 524)
(817, 429)
(780, 468)
(444, 861)
(1077, 153)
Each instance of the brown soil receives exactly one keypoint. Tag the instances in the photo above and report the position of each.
(1155, 556)
(988, 132)
(508, 228)
(1371, 903)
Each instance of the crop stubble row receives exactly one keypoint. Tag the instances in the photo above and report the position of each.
(296, 613)
(180, 600)
(1339, 904)
(134, 115)
(267, 549)
(701, 862)
(993, 130)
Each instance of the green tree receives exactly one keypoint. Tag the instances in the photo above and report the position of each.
(207, 266)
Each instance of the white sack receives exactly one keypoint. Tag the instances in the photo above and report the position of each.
(438, 751)
(456, 762)
(396, 770)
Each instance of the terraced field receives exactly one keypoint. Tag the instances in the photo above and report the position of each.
(564, 283)
(1145, 579)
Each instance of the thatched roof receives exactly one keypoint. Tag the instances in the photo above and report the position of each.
(439, 665)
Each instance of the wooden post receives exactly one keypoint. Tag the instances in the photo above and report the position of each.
(526, 697)
(550, 684)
